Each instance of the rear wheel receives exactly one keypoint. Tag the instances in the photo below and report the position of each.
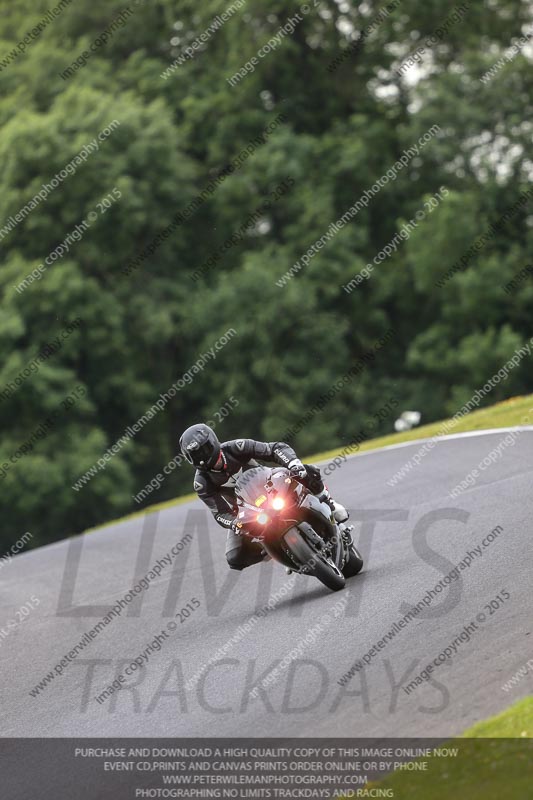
(320, 567)
(354, 562)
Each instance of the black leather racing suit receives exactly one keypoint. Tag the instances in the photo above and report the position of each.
(215, 488)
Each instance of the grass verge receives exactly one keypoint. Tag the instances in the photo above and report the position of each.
(506, 414)
(495, 762)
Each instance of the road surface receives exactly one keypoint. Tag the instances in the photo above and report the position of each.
(411, 535)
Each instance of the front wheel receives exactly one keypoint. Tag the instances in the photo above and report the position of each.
(354, 562)
(320, 567)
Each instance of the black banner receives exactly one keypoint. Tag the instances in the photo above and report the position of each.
(125, 769)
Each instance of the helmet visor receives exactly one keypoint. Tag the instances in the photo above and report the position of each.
(202, 455)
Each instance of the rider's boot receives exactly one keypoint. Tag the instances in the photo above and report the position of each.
(346, 533)
(340, 516)
(339, 512)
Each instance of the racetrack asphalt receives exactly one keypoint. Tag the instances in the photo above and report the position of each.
(411, 535)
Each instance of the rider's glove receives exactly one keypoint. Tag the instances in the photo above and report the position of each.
(297, 468)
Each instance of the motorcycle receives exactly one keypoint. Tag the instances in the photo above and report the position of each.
(294, 527)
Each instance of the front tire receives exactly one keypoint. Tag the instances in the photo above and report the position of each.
(354, 562)
(323, 569)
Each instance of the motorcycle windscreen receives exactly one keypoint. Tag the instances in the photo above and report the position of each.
(251, 485)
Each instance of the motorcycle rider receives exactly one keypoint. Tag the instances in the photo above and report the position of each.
(216, 466)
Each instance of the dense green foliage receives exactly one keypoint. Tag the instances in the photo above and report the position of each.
(343, 128)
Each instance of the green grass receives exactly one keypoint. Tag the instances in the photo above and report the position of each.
(495, 762)
(502, 415)
(515, 722)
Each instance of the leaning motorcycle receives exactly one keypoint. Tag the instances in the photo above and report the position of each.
(294, 527)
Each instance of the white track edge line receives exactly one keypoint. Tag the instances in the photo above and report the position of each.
(442, 438)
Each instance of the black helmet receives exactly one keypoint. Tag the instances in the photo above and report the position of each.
(200, 446)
